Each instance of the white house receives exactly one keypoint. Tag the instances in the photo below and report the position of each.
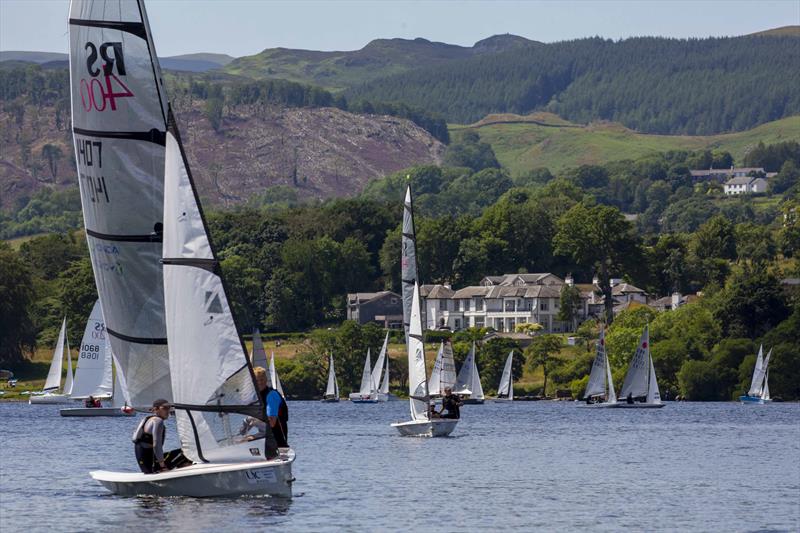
(745, 185)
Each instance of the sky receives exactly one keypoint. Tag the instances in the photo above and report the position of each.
(245, 27)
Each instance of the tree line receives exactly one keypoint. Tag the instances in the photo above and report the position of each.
(650, 84)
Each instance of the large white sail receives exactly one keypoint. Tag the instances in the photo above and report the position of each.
(465, 380)
(378, 369)
(612, 394)
(653, 394)
(635, 384)
(332, 391)
(506, 387)
(367, 385)
(53, 381)
(417, 373)
(119, 120)
(408, 261)
(259, 353)
(597, 377)
(384, 388)
(93, 360)
(69, 380)
(758, 374)
(764, 393)
(212, 381)
(275, 380)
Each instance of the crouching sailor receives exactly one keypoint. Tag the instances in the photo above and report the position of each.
(148, 440)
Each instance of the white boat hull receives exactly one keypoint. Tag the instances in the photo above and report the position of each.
(206, 480)
(95, 411)
(638, 405)
(50, 399)
(359, 398)
(438, 427)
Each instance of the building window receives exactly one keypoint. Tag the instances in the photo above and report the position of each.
(479, 322)
(478, 303)
(509, 305)
(442, 305)
(543, 306)
(529, 304)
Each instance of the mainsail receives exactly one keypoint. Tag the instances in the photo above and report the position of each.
(506, 387)
(443, 374)
(212, 381)
(636, 380)
(376, 372)
(259, 354)
(433, 386)
(332, 391)
(417, 374)
(408, 261)
(367, 385)
(469, 381)
(758, 374)
(93, 375)
(597, 377)
(53, 381)
(119, 121)
(69, 380)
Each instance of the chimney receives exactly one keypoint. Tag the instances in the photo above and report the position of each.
(569, 281)
(676, 300)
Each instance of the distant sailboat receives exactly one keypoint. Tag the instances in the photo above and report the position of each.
(50, 392)
(640, 388)
(759, 386)
(93, 376)
(332, 391)
(421, 423)
(468, 382)
(368, 392)
(443, 375)
(505, 391)
(600, 389)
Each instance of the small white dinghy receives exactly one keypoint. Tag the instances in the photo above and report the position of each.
(758, 394)
(505, 391)
(332, 390)
(120, 404)
(468, 383)
(640, 389)
(421, 423)
(50, 394)
(600, 389)
(368, 392)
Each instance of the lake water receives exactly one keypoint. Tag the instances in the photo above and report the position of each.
(525, 466)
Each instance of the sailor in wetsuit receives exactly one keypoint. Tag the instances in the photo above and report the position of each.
(277, 414)
(148, 439)
(451, 404)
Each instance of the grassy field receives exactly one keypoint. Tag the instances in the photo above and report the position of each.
(545, 140)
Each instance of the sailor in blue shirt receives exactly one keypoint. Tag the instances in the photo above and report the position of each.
(277, 411)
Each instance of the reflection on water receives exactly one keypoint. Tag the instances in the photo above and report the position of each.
(513, 466)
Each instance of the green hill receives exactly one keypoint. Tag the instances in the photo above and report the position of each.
(379, 58)
(545, 140)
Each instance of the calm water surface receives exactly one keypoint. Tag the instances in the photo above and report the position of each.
(539, 465)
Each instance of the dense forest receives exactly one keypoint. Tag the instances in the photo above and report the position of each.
(649, 84)
(289, 267)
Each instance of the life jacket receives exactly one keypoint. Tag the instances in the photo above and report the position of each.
(140, 436)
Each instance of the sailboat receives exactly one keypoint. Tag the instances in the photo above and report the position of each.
(421, 423)
(275, 380)
(759, 386)
(382, 368)
(640, 388)
(505, 391)
(468, 382)
(163, 299)
(368, 392)
(259, 355)
(93, 377)
(50, 392)
(332, 390)
(443, 375)
(120, 405)
(600, 389)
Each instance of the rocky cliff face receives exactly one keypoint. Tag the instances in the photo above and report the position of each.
(321, 152)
